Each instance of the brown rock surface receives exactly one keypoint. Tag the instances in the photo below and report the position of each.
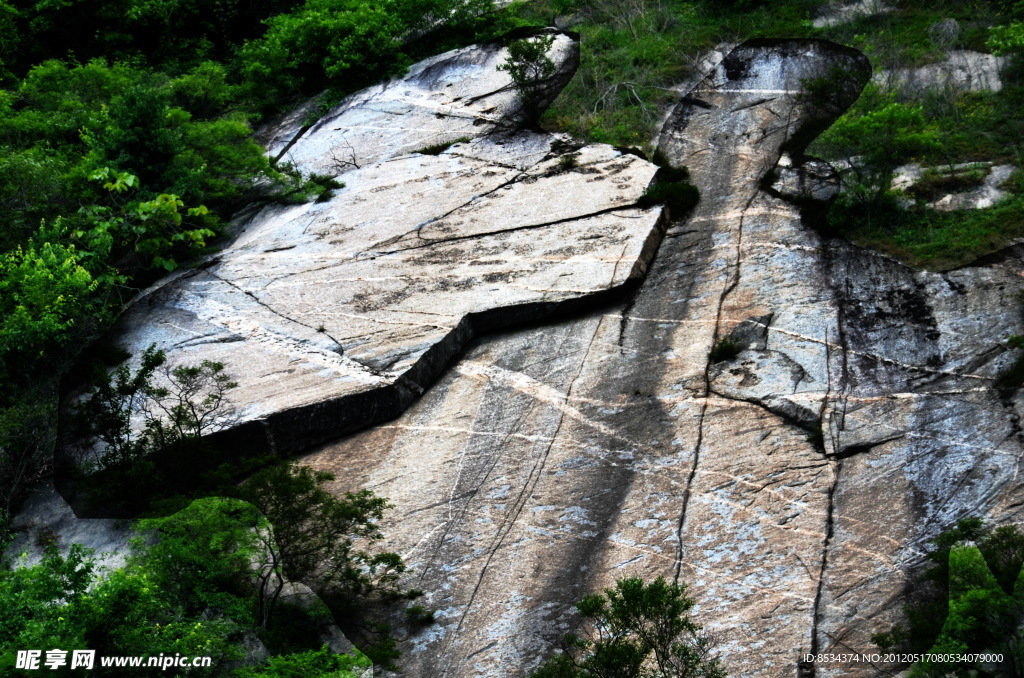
(334, 315)
(792, 485)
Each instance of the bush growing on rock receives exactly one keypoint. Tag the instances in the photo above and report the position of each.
(635, 629)
(137, 463)
(970, 600)
(530, 67)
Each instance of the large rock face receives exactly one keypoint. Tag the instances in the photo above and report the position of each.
(793, 484)
(337, 314)
(451, 96)
(960, 71)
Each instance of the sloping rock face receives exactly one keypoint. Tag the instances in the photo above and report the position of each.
(451, 96)
(792, 486)
(333, 315)
(836, 13)
(987, 194)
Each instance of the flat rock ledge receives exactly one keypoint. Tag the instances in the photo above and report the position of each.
(336, 315)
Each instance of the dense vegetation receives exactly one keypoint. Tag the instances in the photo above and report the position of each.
(635, 629)
(969, 600)
(210, 580)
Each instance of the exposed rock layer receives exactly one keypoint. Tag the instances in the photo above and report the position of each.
(960, 71)
(333, 315)
(792, 485)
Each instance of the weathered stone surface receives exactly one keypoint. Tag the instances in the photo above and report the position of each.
(550, 461)
(986, 195)
(451, 96)
(337, 314)
(793, 487)
(960, 71)
(808, 180)
(836, 13)
(45, 516)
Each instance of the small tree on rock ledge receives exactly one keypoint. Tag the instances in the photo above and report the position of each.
(530, 68)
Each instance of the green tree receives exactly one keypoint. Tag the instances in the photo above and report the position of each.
(45, 605)
(45, 294)
(342, 43)
(876, 142)
(311, 664)
(202, 556)
(970, 600)
(325, 542)
(981, 617)
(321, 539)
(635, 630)
(530, 68)
(188, 403)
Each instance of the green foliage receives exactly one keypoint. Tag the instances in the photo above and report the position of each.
(201, 556)
(323, 541)
(569, 161)
(635, 629)
(346, 44)
(45, 605)
(880, 139)
(189, 404)
(138, 437)
(311, 664)
(44, 291)
(191, 585)
(317, 533)
(935, 184)
(134, 235)
(725, 348)
(530, 68)
(970, 600)
(923, 237)
(1007, 39)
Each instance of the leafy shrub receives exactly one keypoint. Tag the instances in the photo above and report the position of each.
(725, 348)
(530, 68)
(635, 629)
(967, 601)
(311, 664)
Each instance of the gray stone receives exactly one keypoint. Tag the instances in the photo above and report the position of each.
(456, 95)
(960, 71)
(550, 461)
(810, 180)
(46, 516)
(333, 315)
(836, 13)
